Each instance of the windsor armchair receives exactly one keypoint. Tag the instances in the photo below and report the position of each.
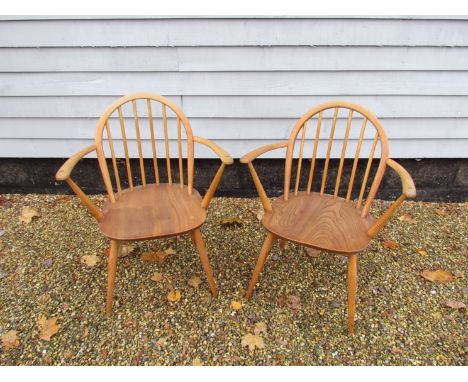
(153, 209)
(326, 221)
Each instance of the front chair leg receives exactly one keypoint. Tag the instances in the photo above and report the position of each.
(198, 241)
(352, 288)
(111, 272)
(267, 244)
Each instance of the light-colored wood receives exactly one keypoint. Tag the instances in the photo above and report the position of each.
(329, 222)
(299, 162)
(356, 159)
(343, 152)
(148, 211)
(125, 145)
(198, 241)
(111, 273)
(166, 145)
(140, 151)
(114, 161)
(249, 157)
(319, 221)
(153, 211)
(352, 289)
(258, 185)
(368, 167)
(264, 252)
(179, 146)
(153, 141)
(314, 154)
(327, 159)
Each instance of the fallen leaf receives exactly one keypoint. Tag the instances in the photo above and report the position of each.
(236, 305)
(67, 354)
(157, 276)
(10, 340)
(162, 341)
(421, 251)
(231, 222)
(125, 250)
(85, 333)
(170, 251)
(312, 252)
(260, 214)
(47, 263)
(438, 276)
(173, 295)
(27, 214)
(455, 304)
(253, 341)
(194, 282)
(3, 274)
(47, 327)
(396, 350)
(197, 362)
(260, 327)
(90, 260)
(459, 274)
(290, 301)
(2, 232)
(390, 244)
(407, 218)
(159, 256)
(440, 211)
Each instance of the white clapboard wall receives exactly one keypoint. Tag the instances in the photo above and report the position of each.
(241, 81)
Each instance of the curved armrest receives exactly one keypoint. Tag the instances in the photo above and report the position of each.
(408, 191)
(249, 157)
(218, 150)
(64, 172)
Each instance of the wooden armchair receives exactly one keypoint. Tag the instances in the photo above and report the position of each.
(153, 209)
(322, 220)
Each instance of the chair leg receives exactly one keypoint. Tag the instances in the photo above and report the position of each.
(282, 245)
(352, 288)
(111, 272)
(198, 241)
(264, 252)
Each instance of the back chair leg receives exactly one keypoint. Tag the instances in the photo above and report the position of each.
(198, 241)
(267, 244)
(352, 288)
(111, 272)
(282, 244)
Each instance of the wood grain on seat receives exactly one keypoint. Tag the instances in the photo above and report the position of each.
(319, 221)
(152, 211)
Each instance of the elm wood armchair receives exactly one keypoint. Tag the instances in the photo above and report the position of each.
(153, 209)
(325, 221)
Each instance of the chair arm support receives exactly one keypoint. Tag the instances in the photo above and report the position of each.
(408, 192)
(249, 157)
(218, 150)
(63, 174)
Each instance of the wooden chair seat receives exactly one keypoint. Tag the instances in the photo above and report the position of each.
(319, 221)
(152, 211)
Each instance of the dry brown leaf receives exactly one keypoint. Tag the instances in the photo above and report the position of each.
(10, 340)
(47, 327)
(396, 350)
(170, 251)
(89, 260)
(157, 276)
(438, 276)
(260, 214)
(290, 301)
(162, 341)
(236, 305)
(421, 251)
(407, 218)
(260, 327)
(173, 295)
(85, 333)
(390, 244)
(234, 221)
(455, 304)
(159, 256)
(27, 214)
(194, 282)
(312, 252)
(197, 362)
(253, 341)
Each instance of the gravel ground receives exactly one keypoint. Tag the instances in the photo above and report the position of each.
(298, 308)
